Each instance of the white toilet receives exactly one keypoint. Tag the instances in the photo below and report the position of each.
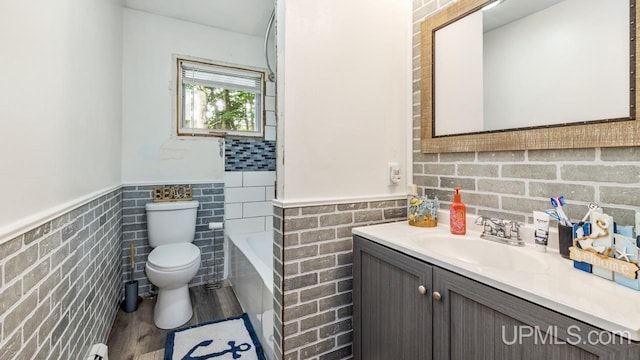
(174, 260)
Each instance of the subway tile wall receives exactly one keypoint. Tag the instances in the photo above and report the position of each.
(511, 184)
(313, 253)
(270, 111)
(134, 231)
(248, 199)
(61, 283)
(249, 155)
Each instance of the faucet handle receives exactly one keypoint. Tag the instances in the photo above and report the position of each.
(487, 225)
(515, 230)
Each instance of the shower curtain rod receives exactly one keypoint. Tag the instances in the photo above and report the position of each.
(271, 75)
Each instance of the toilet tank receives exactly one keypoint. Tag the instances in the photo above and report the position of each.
(171, 222)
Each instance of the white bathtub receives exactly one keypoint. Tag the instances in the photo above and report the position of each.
(250, 270)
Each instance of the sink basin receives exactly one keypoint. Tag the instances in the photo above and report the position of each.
(477, 251)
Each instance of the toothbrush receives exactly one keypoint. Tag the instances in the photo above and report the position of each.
(558, 203)
(637, 229)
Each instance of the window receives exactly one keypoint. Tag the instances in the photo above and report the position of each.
(218, 100)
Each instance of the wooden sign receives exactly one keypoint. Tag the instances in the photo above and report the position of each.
(172, 193)
(589, 256)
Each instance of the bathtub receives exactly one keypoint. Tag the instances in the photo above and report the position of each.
(249, 268)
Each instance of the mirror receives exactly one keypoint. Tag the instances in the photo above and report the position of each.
(477, 96)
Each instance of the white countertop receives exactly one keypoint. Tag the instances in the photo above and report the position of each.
(554, 284)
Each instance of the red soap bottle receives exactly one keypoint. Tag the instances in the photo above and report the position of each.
(457, 214)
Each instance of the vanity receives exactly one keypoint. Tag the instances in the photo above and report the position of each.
(426, 294)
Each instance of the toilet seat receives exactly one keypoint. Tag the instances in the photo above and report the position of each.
(173, 257)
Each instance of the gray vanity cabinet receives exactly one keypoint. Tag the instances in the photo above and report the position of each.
(392, 304)
(458, 318)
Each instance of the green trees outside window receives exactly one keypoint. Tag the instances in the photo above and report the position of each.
(219, 109)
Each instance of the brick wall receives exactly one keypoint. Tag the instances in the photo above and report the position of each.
(61, 283)
(312, 275)
(134, 231)
(278, 271)
(511, 184)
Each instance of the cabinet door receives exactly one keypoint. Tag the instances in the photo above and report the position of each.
(475, 321)
(391, 312)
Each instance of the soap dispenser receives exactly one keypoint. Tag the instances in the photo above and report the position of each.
(457, 214)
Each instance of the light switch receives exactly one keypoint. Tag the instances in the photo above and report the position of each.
(394, 173)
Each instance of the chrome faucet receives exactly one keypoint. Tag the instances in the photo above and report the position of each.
(496, 230)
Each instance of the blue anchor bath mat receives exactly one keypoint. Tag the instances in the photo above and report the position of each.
(233, 338)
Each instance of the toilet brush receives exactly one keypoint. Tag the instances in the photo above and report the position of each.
(213, 279)
(131, 298)
(132, 253)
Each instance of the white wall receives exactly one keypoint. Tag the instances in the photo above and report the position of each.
(558, 54)
(344, 98)
(151, 151)
(60, 105)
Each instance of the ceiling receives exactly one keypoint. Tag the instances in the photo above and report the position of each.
(243, 16)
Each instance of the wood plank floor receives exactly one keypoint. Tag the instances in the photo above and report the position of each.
(134, 334)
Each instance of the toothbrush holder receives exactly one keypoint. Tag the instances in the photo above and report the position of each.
(565, 239)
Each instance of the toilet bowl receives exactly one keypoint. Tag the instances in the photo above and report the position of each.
(174, 260)
(170, 268)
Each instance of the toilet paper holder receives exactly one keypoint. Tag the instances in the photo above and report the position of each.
(216, 225)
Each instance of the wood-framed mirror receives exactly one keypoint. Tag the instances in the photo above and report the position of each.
(583, 131)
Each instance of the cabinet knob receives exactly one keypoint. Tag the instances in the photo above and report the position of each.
(436, 296)
(422, 290)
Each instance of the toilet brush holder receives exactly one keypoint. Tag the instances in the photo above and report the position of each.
(131, 296)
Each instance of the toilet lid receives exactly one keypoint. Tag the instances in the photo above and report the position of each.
(173, 256)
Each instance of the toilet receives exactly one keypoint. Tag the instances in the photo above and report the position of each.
(174, 260)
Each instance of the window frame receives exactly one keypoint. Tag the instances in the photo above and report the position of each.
(260, 112)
